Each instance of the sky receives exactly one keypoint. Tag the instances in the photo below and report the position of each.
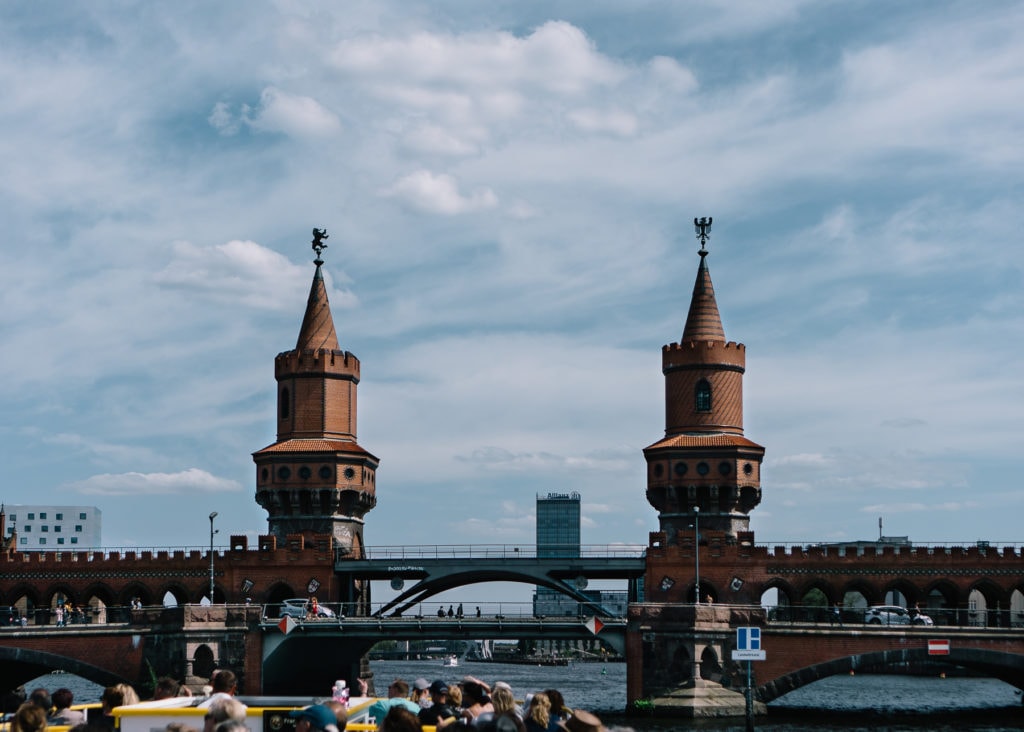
(509, 190)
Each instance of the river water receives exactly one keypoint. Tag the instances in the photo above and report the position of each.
(867, 702)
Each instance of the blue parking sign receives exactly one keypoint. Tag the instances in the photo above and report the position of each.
(748, 639)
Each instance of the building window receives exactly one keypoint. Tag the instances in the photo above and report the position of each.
(14, 517)
(284, 404)
(703, 396)
(42, 516)
(24, 540)
(44, 528)
(60, 540)
(60, 517)
(81, 517)
(27, 528)
(56, 529)
(42, 539)
(31, 517)
(74, 539)
(78, 528)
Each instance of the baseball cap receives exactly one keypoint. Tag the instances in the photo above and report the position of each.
(439, 687)
(421, 684)
(318, 715)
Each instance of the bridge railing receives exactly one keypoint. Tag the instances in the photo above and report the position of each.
(499, 551)
(468, 611)
(946, 617)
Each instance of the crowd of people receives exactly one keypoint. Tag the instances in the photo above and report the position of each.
(473, 704)
(470, 704)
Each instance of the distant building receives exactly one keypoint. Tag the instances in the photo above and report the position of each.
(49, 528)
(558, 535)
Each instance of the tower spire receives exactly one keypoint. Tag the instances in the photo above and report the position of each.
(703, 322)
(317, 331)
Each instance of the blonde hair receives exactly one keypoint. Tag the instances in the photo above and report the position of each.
(540, 709)
(455, 695)
(129, 694)
(502, 700)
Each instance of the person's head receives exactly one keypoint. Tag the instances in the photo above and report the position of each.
(315, 718)
(473, 693)
(41, 698)
(581, 721)
(29, 718)
(557, 702)
(439, 692)
(63, 698)
(420, 689)
(178, 727)
(166, 688)
(502, 700)
(400, 719)
(112, 697)
(455, 695)
(540, 709)
(128, 694)
(221, 710)
(398, 689)
(224, 682)
(231, 725)
(340, 713)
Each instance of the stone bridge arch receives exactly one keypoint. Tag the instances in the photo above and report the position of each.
(1006, 667)
(18, 665)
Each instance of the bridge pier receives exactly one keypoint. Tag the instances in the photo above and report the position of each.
(679, 659)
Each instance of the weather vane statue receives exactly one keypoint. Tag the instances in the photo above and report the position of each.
(703, 228)
(318, 243)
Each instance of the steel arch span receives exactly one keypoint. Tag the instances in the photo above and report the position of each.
(18, 665)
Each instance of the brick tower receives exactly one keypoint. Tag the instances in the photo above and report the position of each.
(704, 464)
(315, 479)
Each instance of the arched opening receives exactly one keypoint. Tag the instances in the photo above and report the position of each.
(203, 663)
(895, 597)
(285, 403)
(776, 599)
(702, 396)
(977, 609)
(170, 600)
(1017, 609)
(815, 605)
(710, 668)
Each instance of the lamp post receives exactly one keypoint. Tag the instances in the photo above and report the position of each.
(696, 550)
(212, 532)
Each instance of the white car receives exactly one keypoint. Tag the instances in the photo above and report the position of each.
(894, 615)
(299, 608)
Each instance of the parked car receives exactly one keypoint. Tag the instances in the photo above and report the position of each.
(894, 615)
(9, 615)
(299, 608)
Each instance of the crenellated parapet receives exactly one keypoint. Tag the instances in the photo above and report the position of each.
(325, 362)
(733, 569)
(694, 354)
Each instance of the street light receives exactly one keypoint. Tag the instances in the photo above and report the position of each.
(696, 547)
(212, 532)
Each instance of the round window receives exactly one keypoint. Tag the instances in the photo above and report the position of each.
(326, 472)
(703, 469)
(305, 472)
(659, 470)
(680, 468)
(748, 469)
(350, 473)
(724, 467)
(284, 472)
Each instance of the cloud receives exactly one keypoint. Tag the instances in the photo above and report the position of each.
(439, 194)
(243, 272)
(943, 507)
(292, 114)
(615, 122)
(192, 480)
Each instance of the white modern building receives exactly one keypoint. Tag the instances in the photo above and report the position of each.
(50, 528)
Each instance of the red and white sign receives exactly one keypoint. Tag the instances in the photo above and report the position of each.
(287, 624)
(938, 647)
(594, 625)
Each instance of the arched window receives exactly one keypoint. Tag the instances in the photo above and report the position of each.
(702, 396)
(285, 410)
